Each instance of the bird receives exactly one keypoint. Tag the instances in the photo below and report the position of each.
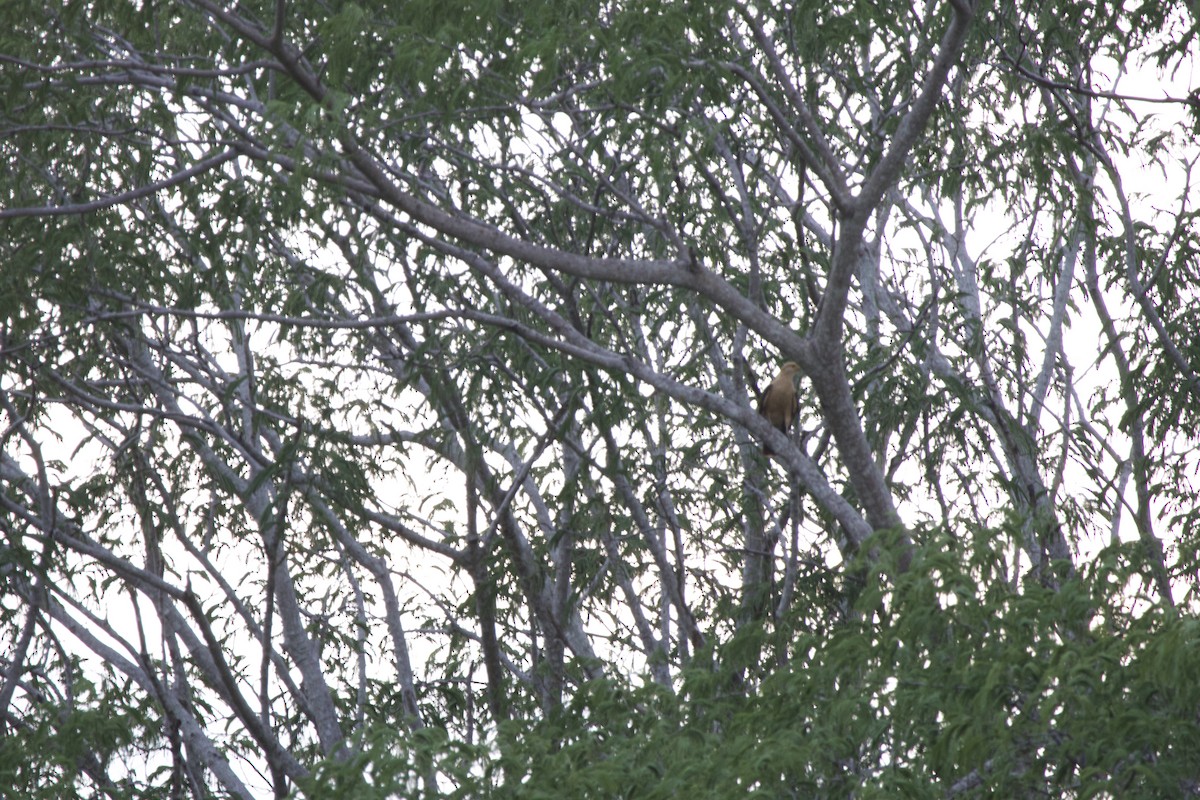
(778, 403)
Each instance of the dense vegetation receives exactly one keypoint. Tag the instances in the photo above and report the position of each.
(378, 391)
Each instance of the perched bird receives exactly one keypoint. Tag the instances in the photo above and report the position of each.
(778, 403)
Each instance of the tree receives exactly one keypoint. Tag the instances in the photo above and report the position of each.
(379, 392)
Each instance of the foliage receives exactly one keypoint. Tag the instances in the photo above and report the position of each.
(379, 389)
(958, 688)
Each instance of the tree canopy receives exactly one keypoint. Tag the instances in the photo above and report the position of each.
(379, 387)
